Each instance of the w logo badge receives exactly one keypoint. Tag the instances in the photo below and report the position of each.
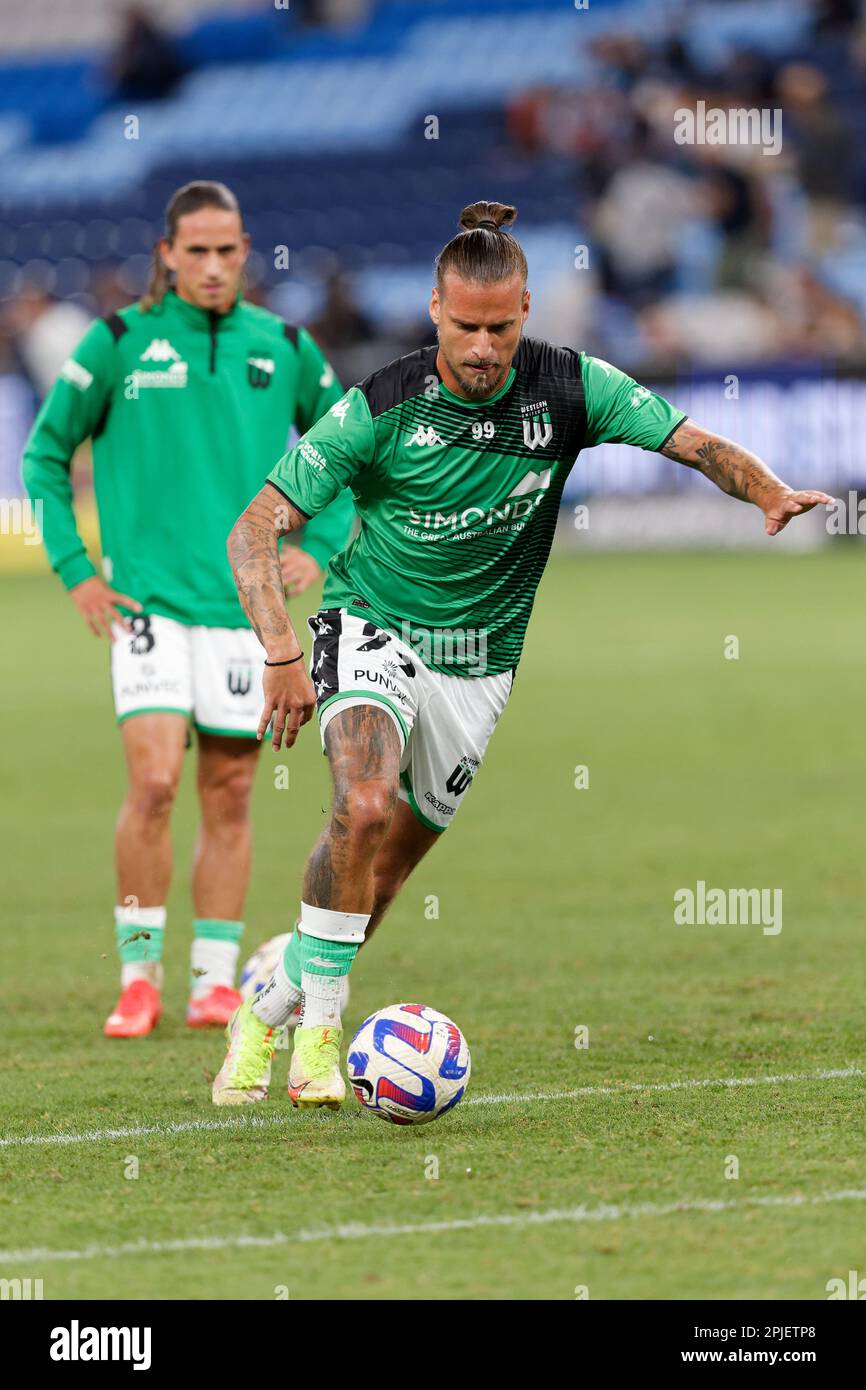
(260, 371)
(239, 677)
(537, 431)
(462, 776)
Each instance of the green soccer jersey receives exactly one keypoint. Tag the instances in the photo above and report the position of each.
(187, 410)
(458, 499)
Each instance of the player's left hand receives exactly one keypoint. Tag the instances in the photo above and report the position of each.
(787, 503)
(300, 570)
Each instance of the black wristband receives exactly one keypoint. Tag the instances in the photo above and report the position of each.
(285, 663)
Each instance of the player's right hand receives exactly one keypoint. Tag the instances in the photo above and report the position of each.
(98, 605)
(289, 698)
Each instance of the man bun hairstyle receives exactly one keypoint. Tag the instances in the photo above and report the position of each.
(483, 250)
(203, 193)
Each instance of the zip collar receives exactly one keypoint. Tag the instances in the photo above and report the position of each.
(193, 315)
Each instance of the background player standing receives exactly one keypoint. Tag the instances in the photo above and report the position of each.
(185, 395)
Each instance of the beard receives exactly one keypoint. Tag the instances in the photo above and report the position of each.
(478, 385)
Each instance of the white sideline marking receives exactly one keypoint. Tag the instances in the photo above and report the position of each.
(258, 1121)
(357, 1231)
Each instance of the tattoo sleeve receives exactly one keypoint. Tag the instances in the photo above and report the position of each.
(255, 560)
(732, 468)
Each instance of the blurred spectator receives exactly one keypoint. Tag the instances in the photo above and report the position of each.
(735, 206)
(822, 144)
(340, 323)
(729, 326)
(636, 224)
(147, 63)
(45, 333)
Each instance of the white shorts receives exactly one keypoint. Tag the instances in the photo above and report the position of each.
(444, 722)
(213, 674)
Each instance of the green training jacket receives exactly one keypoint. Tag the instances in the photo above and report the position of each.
(187, 410)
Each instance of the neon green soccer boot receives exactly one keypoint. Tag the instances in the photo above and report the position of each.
(246, 1071)
(315, 1077)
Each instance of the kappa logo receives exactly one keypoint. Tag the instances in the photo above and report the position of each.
(339, 410)
(426, 435)
(638, 396)
(260, 371)
(159, 350)
(327, 377)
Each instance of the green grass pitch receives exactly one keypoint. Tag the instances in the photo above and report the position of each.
(555, 912)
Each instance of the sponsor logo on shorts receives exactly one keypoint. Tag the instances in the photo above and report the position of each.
(379, 678)
(461, 776)
(135, 689)
(442, 807)
(239, 677)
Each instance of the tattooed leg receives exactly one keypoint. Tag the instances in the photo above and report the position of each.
(363, 750)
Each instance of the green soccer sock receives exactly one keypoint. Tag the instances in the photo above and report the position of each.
(215, 950)
(139, 933)
(324, 967)
(292, 959)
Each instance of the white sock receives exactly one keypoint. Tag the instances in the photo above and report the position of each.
(323, 1000)
(213, 963)
(278, 1000)
(150, 970)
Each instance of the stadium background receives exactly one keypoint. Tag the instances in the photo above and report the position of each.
(352, 132)
(733, 281)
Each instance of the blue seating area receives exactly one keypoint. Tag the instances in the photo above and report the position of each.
(321, 132)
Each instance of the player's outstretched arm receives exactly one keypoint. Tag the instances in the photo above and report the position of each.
(741, 474)
(254, 557)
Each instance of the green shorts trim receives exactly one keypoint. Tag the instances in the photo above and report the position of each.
(431, 825)
(368, 695)
(227, 733)
(152, 709)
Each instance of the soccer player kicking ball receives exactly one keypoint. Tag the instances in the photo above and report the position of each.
(456, 455)
(183, 396)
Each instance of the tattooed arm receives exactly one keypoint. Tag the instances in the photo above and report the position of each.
(740, 474)
(255, 561)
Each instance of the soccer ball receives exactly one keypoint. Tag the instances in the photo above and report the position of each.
(262, 964)
(408, 1064)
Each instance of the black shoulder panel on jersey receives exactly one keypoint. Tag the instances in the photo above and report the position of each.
(115, 325)
(537, 358)
(553, 375)
(291, 333)
(399, 380)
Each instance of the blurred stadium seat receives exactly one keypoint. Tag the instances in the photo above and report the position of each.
(319, 116)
